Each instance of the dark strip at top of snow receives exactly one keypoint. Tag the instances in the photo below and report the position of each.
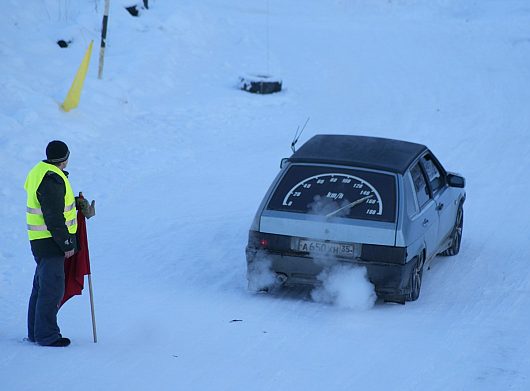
(359, 151)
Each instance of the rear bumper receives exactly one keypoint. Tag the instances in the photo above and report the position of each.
(390, 279)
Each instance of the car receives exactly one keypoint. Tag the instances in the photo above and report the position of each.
(388, 205)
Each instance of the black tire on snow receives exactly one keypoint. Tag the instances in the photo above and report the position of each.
(260, 84)
(416, 277)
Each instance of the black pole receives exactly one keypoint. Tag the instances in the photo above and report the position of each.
(103, 38)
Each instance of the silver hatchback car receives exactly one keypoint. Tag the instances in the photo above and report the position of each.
(385, 204)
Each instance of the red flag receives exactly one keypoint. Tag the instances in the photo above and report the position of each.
(77, 266)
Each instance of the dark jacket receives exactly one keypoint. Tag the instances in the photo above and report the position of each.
(50, 194)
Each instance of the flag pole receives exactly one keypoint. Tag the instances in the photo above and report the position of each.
(92, 308)
(103, 38)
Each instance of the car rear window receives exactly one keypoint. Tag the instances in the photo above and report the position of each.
(336, 192)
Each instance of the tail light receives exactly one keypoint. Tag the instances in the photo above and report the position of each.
(269, 241)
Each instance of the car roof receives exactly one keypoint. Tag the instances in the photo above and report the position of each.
(359, 151)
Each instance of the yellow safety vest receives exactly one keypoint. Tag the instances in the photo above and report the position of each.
(37, 228)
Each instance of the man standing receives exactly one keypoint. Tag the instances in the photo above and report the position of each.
(51, 217)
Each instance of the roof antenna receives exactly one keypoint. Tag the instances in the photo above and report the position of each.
(297, 135)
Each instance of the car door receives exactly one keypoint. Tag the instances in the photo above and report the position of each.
(426, 221)
(441, 194)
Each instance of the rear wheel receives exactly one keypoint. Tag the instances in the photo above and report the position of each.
(457, 234)
(415, 278)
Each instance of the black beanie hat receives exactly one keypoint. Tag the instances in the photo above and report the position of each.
(57, 152)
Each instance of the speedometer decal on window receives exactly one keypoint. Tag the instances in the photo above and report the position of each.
(335, 195)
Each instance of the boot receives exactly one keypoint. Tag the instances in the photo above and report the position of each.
(60, 343)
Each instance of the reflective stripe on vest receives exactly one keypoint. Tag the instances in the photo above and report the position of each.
(37, 228)
(38, 211)
(45, 228)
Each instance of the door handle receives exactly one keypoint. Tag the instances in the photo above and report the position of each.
(440, 206)
(425, 222)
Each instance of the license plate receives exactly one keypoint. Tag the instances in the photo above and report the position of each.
(325, 248)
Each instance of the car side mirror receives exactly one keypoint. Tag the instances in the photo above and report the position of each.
(454, 180)
(284, 162)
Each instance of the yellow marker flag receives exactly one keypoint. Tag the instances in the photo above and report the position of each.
(74, 94)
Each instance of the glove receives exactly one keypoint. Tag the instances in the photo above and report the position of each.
(87, 209)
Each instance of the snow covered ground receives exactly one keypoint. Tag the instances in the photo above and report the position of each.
(178, 160)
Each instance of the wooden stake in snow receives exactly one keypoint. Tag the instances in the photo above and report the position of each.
(92, 308)
(103, 38)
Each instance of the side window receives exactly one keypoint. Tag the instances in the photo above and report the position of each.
(433, 173)
(420, 185)
(410, 195)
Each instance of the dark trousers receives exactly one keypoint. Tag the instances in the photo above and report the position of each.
(47, 293)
